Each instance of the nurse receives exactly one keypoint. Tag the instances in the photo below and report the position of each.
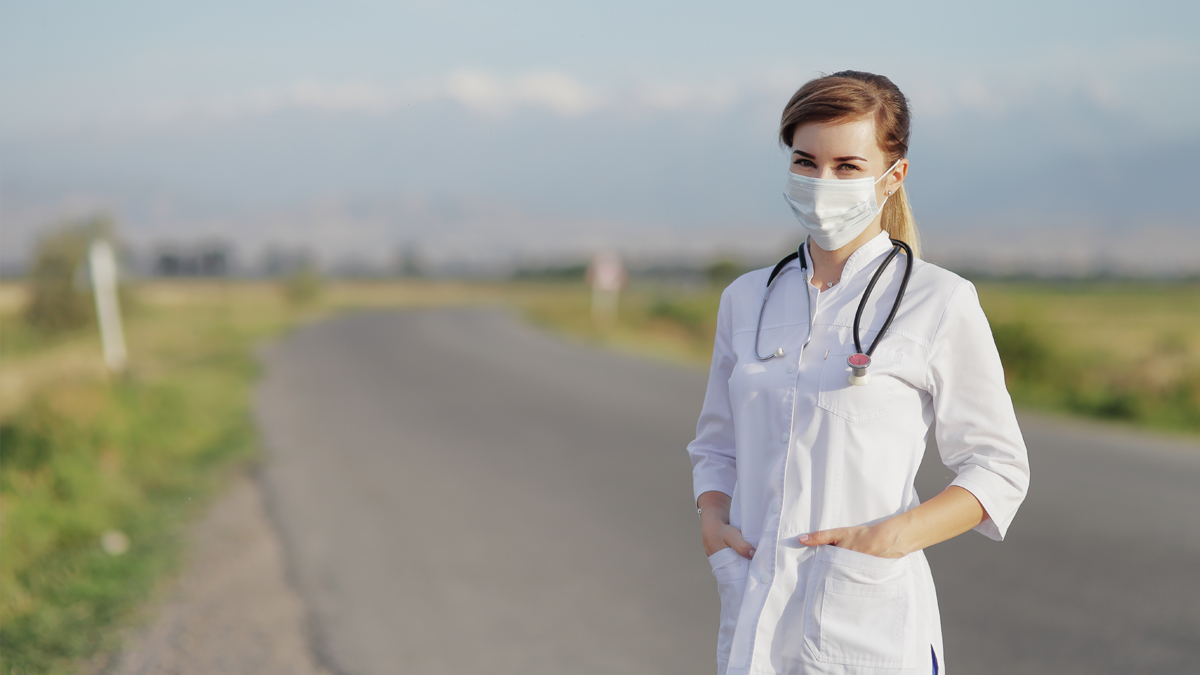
(804, 481)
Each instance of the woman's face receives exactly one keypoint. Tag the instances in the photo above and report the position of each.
(844, 150)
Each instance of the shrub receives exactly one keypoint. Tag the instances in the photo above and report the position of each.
(723, 272)
(59, 295)
(1023, 353)
(303, 285)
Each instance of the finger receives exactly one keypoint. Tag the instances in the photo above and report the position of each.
(821, 537)
(733, 537)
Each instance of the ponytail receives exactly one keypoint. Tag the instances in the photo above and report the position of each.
(899, 223)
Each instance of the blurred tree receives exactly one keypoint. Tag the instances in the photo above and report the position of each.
(409, 261)
(567, 272)
(722, 272)
(60, 299)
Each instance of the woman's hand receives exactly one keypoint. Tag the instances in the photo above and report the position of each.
(947, 515)
(715, 528)
(878, 540)
(723, 535)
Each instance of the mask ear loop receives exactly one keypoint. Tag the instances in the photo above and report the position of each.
(886, 195)
(890, 169)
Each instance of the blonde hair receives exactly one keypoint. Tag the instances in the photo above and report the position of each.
(851, 95)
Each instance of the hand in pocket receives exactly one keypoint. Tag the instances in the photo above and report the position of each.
(726, 536)
(715, 528)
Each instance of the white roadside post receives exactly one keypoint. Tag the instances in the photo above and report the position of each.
(606, 275)
(103, 265)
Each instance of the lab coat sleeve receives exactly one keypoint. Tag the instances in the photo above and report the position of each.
(712, 453)
(976, 428)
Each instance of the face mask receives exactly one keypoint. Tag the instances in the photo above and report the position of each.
(833, 211)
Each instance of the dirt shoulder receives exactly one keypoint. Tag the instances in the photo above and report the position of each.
(232, 609)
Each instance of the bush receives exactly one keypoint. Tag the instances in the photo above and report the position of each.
(570, 272)
(1024, 354)
(60, 300)
(303, 285)
(690, 317)
(723, 272)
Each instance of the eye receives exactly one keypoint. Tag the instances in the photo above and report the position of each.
(848, 167)
(800, 161)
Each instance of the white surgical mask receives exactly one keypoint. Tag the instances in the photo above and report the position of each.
(831, 210)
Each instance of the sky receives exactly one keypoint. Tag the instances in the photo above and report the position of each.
(1047, 135)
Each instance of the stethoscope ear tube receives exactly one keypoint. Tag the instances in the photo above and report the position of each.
(770, 281)
(860, 361)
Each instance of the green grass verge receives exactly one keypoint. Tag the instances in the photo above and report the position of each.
(137, 455)
(1127, 351)
(134, 468)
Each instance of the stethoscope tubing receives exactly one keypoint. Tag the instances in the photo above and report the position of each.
(862, 303)
(775, 273)
(896, 246)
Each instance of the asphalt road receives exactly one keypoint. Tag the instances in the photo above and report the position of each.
(460, 493)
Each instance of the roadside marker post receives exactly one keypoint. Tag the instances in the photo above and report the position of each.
(606, 275)
(103, 266)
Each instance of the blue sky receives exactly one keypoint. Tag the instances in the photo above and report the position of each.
(540, 128)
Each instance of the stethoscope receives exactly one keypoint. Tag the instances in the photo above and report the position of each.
(860, 360)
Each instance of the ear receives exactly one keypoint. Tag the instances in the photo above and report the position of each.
(896, 178)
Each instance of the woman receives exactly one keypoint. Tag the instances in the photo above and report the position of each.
(803, 480)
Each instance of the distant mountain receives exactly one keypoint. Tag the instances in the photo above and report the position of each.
(1042, 183)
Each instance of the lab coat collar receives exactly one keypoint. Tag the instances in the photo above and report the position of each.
(872, 249)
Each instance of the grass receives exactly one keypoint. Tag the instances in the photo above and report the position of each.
(674, 323)
(85, 453)
(1127, 351)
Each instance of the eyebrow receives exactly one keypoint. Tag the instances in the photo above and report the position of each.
(836, 159)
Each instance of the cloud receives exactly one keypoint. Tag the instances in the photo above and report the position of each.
(669, 96)
(557, 92)
(480, 91)
(1138, 79)
(362, 97)
(1141, 80)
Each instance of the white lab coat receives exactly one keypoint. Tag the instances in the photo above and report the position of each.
(799, 449)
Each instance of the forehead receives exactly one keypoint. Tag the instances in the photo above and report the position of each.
(837, 138)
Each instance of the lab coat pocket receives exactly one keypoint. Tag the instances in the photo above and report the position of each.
(863, 609)
(859, 403)
(731, 570)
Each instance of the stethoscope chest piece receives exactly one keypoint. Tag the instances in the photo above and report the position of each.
(858, 369)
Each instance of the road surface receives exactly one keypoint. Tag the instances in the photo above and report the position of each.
(458, 492)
